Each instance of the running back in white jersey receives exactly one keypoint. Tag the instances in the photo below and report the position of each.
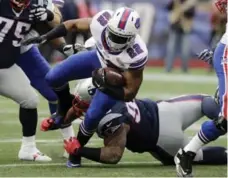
(134, 57)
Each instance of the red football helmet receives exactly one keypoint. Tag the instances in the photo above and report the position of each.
(19, 5)
(221, 5)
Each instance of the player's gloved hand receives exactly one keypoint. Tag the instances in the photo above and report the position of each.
(35, 40)
(99, 79)
(72, 145)
(39, 14)
(206, 55)
(70, 49)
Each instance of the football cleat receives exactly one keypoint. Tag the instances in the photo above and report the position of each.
(73, 161)
(54, 122)
(70, 164)
(33, 155)
(183, 161)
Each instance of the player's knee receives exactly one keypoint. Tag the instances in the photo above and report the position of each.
(209, 107)
(30, 102)
(52, 78)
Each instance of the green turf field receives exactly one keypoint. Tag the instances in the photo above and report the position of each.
(157, 85)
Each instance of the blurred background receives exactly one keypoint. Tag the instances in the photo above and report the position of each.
(174, 30)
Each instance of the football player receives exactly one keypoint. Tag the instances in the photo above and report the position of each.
(118, 45)
(212, 129)
(144, 125)
(36, 67)
(17, 17)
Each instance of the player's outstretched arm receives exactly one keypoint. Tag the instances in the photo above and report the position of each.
(61, 30)
(133, 80)
(111, 153)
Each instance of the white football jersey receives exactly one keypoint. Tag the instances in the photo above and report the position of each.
(134, 57)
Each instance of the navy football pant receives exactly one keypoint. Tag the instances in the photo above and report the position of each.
(36, 67)
(80, 66)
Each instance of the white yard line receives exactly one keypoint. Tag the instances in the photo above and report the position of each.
(63, 164)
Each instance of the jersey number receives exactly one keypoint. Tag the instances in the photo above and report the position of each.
(133, 110)
(134, 51)
(6, 25)
(103, 18)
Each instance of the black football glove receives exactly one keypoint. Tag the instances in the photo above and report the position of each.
(100, 82)
(35, 40)
(207, 56)
(40, 14)
(99, 79)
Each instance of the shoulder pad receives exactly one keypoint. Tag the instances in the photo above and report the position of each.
(99, 22)
(109, 124)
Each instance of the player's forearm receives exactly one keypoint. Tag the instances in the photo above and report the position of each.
(133, 80)
(62, 29)
(107, 155)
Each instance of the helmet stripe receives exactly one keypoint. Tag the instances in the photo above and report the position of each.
(124, 18)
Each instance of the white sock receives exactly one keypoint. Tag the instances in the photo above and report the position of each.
(28, 142)
(194, 145)
(68, 132)
(199, 155)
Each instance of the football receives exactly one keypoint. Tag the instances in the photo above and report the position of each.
(114, 77)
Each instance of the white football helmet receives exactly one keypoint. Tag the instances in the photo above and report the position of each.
(122, 29)
(83, 92)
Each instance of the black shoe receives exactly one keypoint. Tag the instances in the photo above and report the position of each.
(183, 161)
(73, 161)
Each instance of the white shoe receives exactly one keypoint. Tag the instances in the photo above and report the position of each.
(33, 155)
(65, 154)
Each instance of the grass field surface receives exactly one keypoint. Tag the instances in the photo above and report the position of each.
(156, 85)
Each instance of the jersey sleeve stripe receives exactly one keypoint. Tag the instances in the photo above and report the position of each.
(138, 64)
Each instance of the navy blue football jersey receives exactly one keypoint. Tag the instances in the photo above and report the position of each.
(141, 116)
(13, 27)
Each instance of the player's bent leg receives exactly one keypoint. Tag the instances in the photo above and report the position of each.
(36, 67)
(92, 118)
(210, 108)
(189, 109)
(75, 67)
(15, 85)
(170, 138)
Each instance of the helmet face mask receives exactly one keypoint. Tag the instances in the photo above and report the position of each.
(117, 42)
(19, 5)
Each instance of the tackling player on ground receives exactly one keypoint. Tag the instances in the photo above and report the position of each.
(119, 46)
(144, 126)
(210, 130)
